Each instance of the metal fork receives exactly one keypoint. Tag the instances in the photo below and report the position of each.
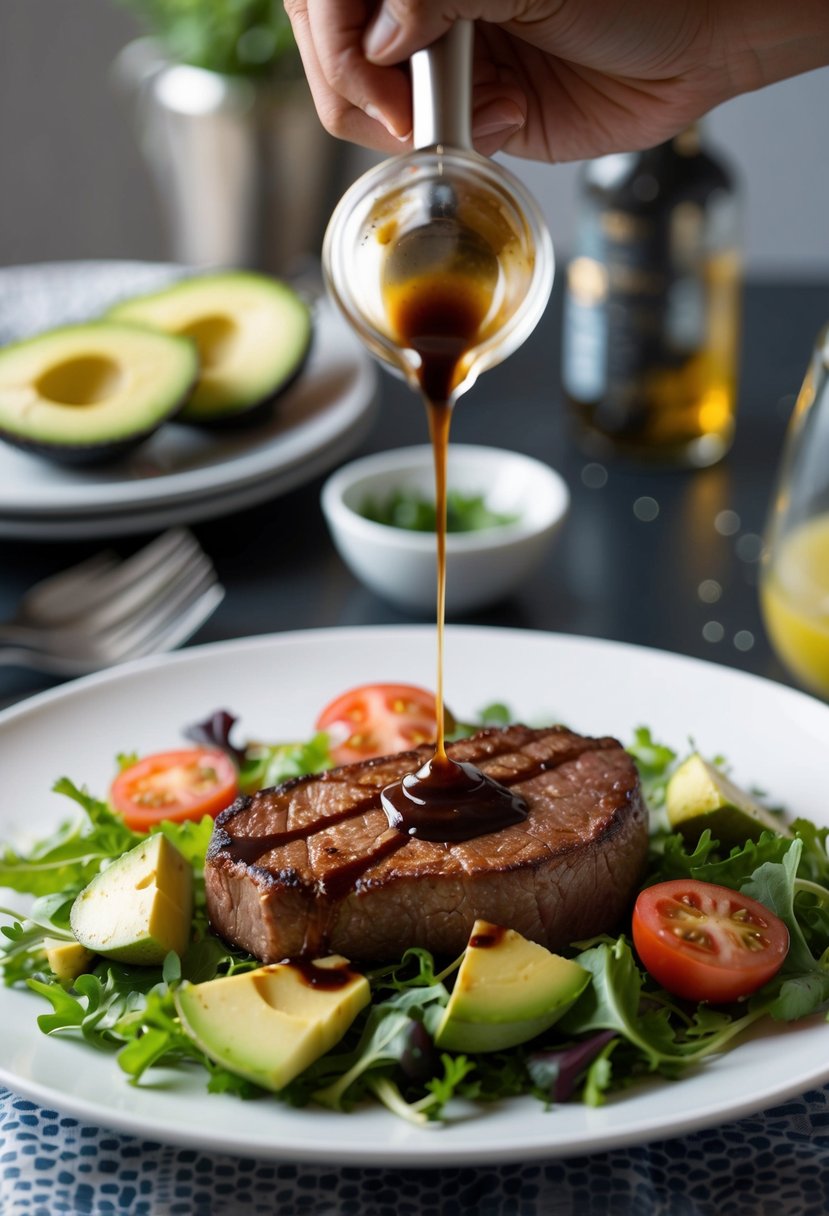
(105, 611)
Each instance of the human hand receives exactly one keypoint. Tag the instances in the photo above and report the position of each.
(555, 80)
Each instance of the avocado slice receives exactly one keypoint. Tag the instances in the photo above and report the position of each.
(68, 960)
(699, 796)
(140, 907)
(253, 334)
(270, 1024)
(507, 991)
(89, 393)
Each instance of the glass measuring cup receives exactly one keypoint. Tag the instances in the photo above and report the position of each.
(440, 209)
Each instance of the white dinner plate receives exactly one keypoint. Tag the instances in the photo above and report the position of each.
(179, 467)
(774, 737)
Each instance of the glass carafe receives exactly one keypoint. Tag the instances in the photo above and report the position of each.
(794, 587)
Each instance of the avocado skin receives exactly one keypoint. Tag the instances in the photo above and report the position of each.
(251, 416)
(91, 454)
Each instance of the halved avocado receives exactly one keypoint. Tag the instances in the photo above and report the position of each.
(90, 393)
(253, 334)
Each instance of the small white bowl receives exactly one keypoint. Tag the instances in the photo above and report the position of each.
(481, 566)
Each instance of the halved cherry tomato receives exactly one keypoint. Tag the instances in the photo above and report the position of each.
(185, 784)
(378, 720)
(705, 942)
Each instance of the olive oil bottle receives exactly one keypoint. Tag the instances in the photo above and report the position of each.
(652, 304)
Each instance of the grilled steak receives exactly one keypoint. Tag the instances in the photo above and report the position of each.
(313, 865)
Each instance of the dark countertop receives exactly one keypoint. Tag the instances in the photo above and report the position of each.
(609, 575)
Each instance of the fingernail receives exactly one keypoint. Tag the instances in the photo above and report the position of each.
(497, 117)
(380, 117)
(381, 35)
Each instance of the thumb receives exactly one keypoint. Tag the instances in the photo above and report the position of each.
(401, 27)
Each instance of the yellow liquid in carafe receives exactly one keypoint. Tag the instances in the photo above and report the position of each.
(794, 597)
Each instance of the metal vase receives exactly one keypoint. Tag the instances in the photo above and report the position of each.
(245, 172)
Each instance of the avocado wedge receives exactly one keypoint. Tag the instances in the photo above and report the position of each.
(507, 991)
(268, 1025)
(140, 907)
(700, 796)
(86, 394)
(253, 334)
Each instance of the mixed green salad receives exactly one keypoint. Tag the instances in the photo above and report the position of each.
(623, 1026)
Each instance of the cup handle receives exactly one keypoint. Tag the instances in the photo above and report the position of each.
(442, 90)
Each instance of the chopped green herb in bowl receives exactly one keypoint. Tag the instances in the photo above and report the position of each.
(412, 510)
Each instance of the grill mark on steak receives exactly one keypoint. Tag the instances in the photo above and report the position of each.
(313, 863)
(249, 849)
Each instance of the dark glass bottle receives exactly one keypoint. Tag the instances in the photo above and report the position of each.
(652, 306)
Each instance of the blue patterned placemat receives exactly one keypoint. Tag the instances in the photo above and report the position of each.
(775, 1164)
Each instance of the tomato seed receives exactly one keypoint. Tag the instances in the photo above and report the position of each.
(697, 937)
(681, 911)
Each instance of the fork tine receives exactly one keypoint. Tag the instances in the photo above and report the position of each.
(177, 630)
(174, 600)
(94, 585)
(185, 612)
(145, 581)
(36, 660)
(104, 645)
(60, 597)
(129, 610)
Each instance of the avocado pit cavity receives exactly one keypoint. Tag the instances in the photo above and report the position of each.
(81, 380)
(214, 336)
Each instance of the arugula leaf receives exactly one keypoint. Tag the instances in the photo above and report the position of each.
(22, 953)
(439, 1090)
(653, 759)
(495, 714)
(654, 762)
(802, 985)
(383, 1041)
(741, 863)
(613, 1001)
(599, 1077)
(266, 765)
(72, 855)
(669, 857)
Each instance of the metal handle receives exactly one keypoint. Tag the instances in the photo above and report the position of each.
(442, 90)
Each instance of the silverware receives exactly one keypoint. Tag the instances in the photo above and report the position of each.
(106, 611)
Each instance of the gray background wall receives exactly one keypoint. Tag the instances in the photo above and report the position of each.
(72, 183)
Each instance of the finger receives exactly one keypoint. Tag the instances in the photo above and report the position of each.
(494, 122)
(401, 27)
(499, 101)
(383, 93)
(338, 115)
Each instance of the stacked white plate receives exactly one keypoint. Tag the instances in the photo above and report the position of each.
(181, 475)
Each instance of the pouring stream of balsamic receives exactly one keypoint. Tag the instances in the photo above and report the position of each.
(439, 286)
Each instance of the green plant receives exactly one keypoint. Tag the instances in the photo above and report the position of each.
(236, 37)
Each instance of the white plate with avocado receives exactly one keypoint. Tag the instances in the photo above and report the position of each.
(774, 738)
(324, 390)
